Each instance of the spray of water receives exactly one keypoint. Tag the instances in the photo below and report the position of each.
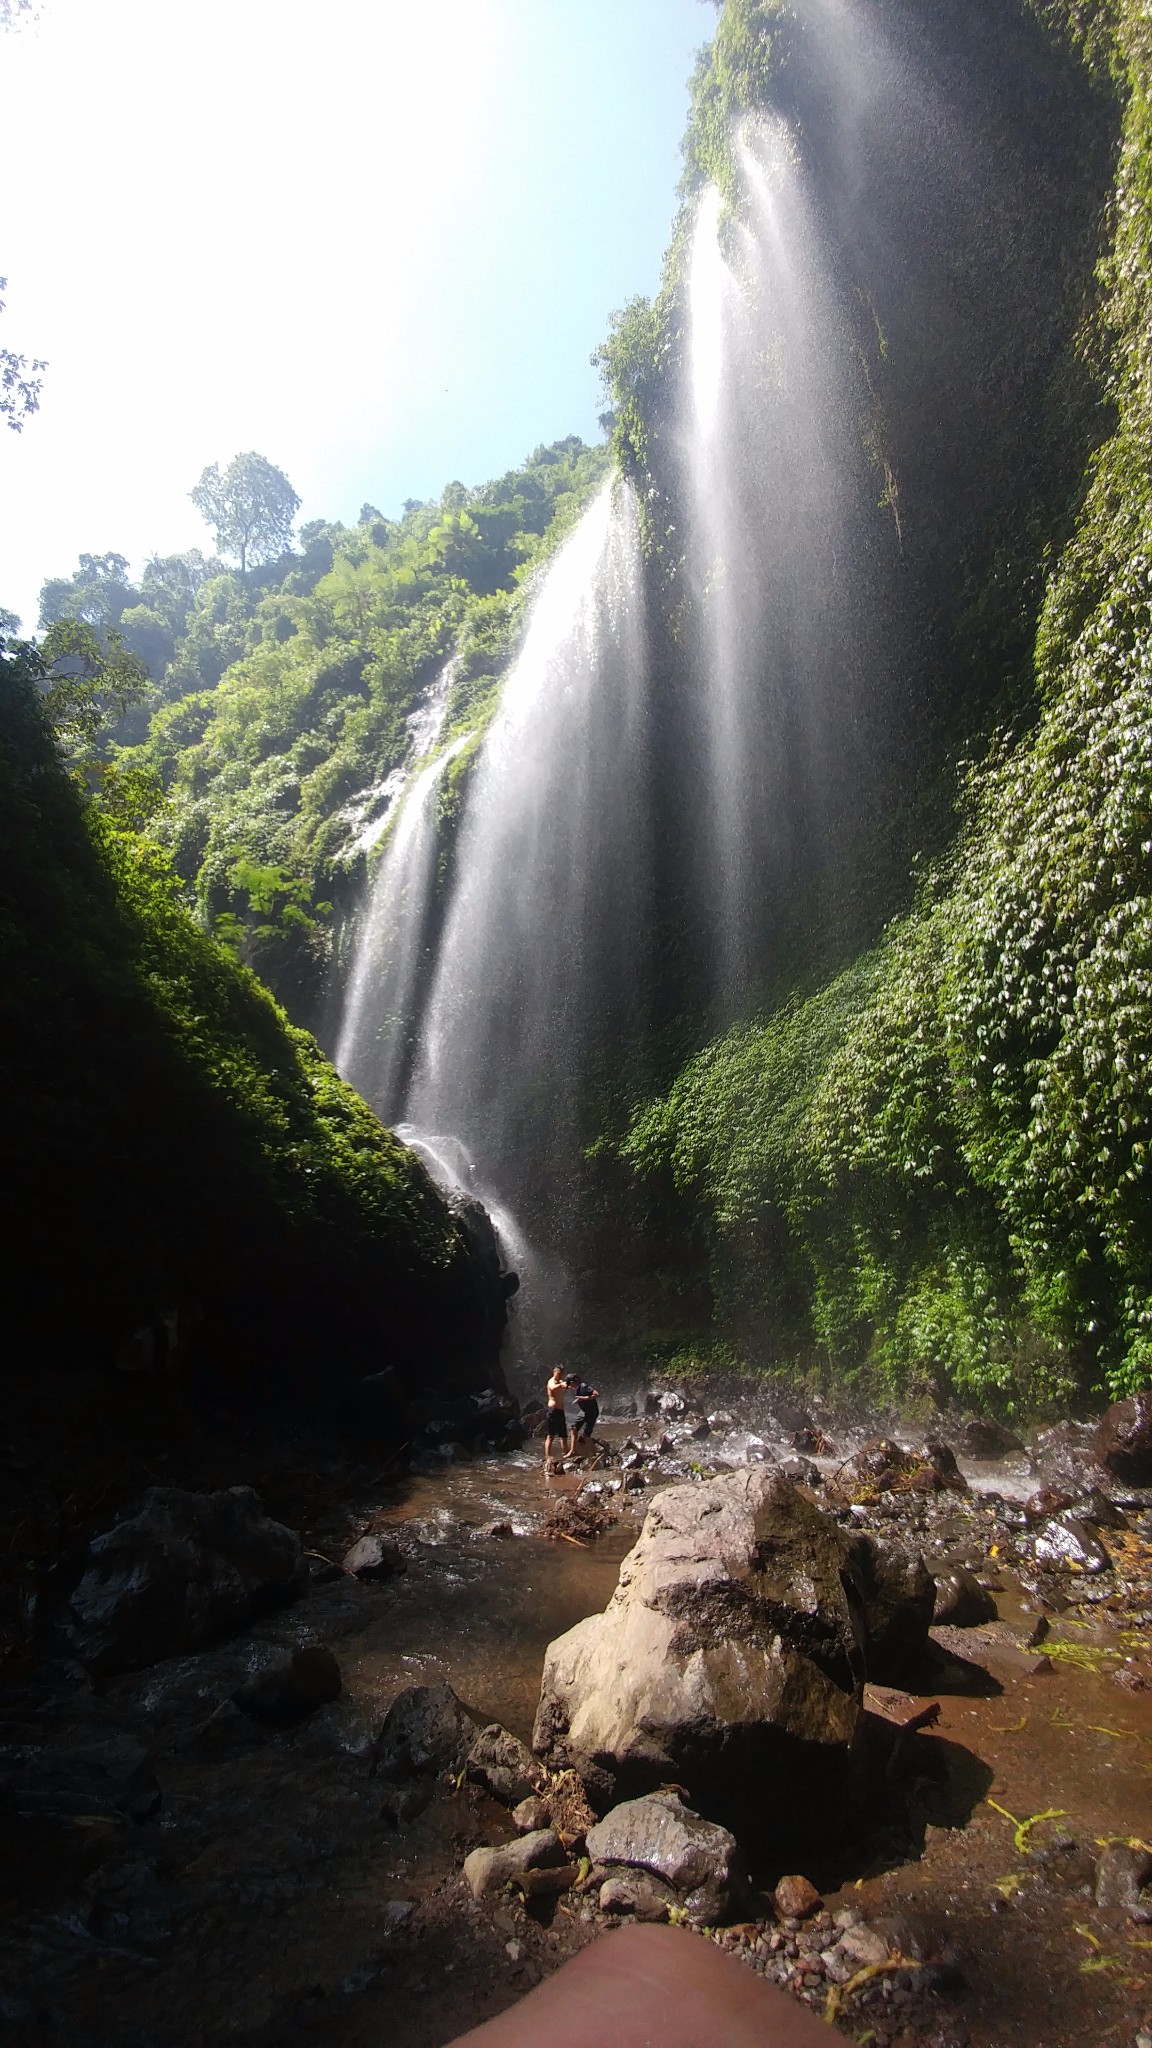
(482, 1019)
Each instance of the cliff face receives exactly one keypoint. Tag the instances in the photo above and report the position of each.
(930, 1166)
(180, 1161)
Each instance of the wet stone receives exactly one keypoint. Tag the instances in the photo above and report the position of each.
(1066, 1543)
(292, 1688)
(401, 1804)
(185, 1568)
(103, 1772)
(659, 1833)
(531, 1815)
(961, 1601)
(375, 1557)
(488, 1870)
(796, 1898)
(638, 1894)
(426, 1729)
(981, 1437)
(504, 1765)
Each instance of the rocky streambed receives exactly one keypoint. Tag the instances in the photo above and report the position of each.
(327, 1824)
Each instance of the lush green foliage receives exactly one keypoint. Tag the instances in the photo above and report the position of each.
(169, 1138)
(936, 1168)
(280, 698)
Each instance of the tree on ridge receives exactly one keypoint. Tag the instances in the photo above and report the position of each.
(250, 508)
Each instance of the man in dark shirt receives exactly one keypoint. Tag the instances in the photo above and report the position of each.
(587, 1411)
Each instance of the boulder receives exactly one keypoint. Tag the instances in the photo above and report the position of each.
(1095, 1507)
(375, 1557)
(489, 1870)
(961, 1601)
(661, 1835)
(731, 1658)
(1123, 1440)
(862, 1947)
(981, 1437)
(1065, 1457)
(666, 1402)
(946, 1474)
(291, 1688)
(185, 1568)
(426, 1730)
(1046, 1501)
(892, 1467)
(504, 1765)
(899, 1596)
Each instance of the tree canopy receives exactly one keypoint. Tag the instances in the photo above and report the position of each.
(250, 508)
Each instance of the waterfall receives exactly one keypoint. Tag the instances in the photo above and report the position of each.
(547, 902)
(777, 490)
(376, 1043)
(480, 1055)
(611, 875)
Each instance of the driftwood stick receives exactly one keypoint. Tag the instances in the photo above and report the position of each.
(321, 1559)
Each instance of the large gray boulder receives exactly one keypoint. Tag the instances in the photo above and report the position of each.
(731, 1659)
(185, 1568)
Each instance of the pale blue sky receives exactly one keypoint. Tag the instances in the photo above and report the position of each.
(376, 241)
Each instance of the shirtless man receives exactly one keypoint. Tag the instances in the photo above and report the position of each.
(556, 1425)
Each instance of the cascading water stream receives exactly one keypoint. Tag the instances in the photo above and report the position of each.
(612, 874)
(375, 1048)
(547, 901)
(482, 1061)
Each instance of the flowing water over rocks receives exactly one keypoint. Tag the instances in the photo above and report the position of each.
(181, 1867)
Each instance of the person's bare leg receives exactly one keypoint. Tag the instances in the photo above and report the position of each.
(652, 1987)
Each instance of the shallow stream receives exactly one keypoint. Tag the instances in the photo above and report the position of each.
(268, 1903)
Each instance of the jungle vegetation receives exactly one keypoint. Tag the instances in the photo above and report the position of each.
(929, 1170)
(279, 687)
(918, 1159)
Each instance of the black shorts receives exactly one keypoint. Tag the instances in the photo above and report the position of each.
(589, 1417)
(556, 1424)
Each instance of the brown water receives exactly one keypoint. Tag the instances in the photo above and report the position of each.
(478, 1611)
(268, 1906)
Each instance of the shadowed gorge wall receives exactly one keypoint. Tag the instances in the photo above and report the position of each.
(171, 1142)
